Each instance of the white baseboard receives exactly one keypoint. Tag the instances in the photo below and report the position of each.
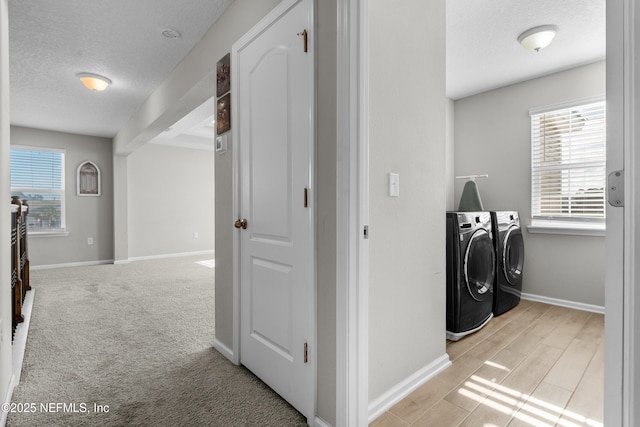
(20, 338)
(18, 347)
(163, 256)
(225, 351)
(71, 264)
(564, 303)
(398, 392)
(319, 422)
(7, 400)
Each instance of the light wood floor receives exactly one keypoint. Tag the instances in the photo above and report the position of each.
(536, 365)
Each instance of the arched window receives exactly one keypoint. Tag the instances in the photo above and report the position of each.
(88, 179)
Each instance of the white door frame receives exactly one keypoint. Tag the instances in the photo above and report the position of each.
(234, 354)
(352, 253)
(622, 320)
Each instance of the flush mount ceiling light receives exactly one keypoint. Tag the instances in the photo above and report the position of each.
(538, 37)
(94, 81)
(170, 33)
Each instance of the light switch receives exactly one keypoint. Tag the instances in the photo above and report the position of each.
(394, 184)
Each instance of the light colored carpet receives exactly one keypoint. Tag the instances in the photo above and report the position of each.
(136, 338)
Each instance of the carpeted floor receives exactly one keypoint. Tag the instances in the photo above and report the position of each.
(130, 345)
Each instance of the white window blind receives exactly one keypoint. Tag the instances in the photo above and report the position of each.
(38, 177)
(568, 160)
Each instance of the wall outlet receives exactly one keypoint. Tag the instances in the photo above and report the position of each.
(90, 241)
(195, 235)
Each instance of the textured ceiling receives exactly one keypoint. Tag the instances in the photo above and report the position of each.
(51, 41)
(482, 48)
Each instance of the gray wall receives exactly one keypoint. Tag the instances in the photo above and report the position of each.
(407, 234)
(170, 193)
(85, 216)
(493, 136)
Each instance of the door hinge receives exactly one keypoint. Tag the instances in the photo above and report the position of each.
(306, 197)
(615, 186)
(304, 35)
(366, 231)
(306, 353)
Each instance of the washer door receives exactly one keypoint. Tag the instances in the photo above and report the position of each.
(479, 261)
(513, 256)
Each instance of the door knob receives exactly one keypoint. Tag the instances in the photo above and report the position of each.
(240, 224)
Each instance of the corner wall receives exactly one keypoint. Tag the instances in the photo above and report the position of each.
(85, 216)
(493, 136)
(407, 233)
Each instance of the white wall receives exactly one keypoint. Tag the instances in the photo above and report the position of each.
(85, 216)
(407, 234)
(493, 136)
(170, 191)
(5, 216)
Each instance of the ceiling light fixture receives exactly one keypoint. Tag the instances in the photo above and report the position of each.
(94, 81)
(538, 37)
(170, 33)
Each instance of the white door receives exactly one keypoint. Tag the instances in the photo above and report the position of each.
(275, 98)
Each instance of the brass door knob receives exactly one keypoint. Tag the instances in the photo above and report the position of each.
(240, 224)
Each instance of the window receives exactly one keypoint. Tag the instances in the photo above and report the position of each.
(568, 165)
(37, 175)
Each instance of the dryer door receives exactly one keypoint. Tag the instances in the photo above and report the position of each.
(479, 261)
(513, 256)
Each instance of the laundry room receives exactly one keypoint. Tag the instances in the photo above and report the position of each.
(492, 136)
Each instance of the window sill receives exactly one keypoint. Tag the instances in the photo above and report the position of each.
(48, 233)
(567, 228)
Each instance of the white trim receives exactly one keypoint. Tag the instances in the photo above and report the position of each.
(631, 294)
(7, 400)
(18, 348)
(564, 303)
(121, 262)
(225, 351)
(207, 252)
(571, 229)
(71, 264)
(621, 356)
(319, 422)
(352, 269)
(401, 390)
(39, 234)
(20, 338)
(567, 104)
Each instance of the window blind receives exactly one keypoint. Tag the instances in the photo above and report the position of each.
(568, 160)
(38, 177)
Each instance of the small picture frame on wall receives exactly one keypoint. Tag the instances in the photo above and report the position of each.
(223, 75)
(88, 179)
(223, 116)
